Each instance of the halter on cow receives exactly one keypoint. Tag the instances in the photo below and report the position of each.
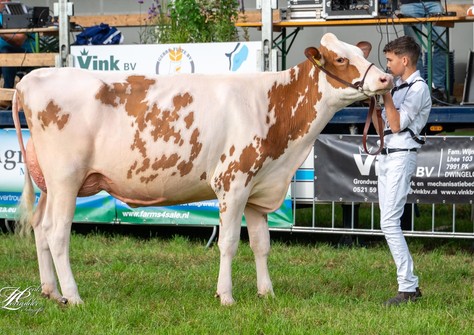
(311, 54)
(163, 140)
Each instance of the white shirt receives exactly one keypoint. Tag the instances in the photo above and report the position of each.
(414, 105)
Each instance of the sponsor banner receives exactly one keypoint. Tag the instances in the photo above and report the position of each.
(444, 174)
(197, 213)
(228, 57)
(98, 208)
(102, 208)
(11, 172)
(11, 160)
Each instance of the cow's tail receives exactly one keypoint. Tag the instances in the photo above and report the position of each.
(25, 207)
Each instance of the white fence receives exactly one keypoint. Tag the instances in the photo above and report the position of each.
(449, 215)
(433, 220)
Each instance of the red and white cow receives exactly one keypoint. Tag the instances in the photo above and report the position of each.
(164, 140)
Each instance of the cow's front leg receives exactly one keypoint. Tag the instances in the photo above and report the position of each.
(259, 238)
(229, 236)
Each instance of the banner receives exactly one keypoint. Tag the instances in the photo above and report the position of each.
(228, 57)
(197, 214)
(102, 208)
(345, 173)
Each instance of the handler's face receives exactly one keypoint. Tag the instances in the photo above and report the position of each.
(396, 64)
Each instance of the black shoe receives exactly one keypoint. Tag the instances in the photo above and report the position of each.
(403, 298)
(438, 96)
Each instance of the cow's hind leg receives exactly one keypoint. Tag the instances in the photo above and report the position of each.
(49, 286)
(259, 237)
(229, 236)
(57, 223)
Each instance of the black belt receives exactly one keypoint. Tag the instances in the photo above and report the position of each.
(386, 151)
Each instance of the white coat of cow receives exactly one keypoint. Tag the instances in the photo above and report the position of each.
(164, 140)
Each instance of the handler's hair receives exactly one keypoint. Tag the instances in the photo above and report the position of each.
(404, 46)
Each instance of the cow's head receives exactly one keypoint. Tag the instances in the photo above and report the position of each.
(346, 68)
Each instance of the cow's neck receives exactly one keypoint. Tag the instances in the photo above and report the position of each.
(293, 103)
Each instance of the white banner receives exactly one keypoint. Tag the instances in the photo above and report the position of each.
(229, 57)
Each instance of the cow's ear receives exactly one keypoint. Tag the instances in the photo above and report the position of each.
(313, 55)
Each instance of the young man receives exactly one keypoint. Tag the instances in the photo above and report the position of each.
(406, 110)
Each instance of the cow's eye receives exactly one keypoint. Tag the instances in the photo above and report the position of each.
(340, 60)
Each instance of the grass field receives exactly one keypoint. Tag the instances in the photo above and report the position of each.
(134, 285)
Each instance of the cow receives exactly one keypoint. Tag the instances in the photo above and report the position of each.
(172, 139)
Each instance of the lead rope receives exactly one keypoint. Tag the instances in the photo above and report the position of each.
(368, 120)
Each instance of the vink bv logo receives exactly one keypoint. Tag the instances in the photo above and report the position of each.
(93, 62)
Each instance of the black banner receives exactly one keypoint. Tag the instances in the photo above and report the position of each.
(345, 173)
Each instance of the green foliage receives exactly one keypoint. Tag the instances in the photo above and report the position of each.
(197, 21)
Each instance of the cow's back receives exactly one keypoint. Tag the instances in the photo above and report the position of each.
(144, 138)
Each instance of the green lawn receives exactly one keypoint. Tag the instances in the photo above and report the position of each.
(133, 285)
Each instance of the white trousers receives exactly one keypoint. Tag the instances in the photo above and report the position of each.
(395, 172)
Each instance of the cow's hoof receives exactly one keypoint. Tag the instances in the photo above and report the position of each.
(74, 301)
(266, 294)
(51, 295)
(226, 299)
(62, 301)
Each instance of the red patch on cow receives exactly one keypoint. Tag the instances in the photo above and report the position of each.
(343, 70)
(165, 162)
(132, 94)
(185, 166)
(300, 94)
(163, 124)
(139, 144)
(52, 115)
(189, 120)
